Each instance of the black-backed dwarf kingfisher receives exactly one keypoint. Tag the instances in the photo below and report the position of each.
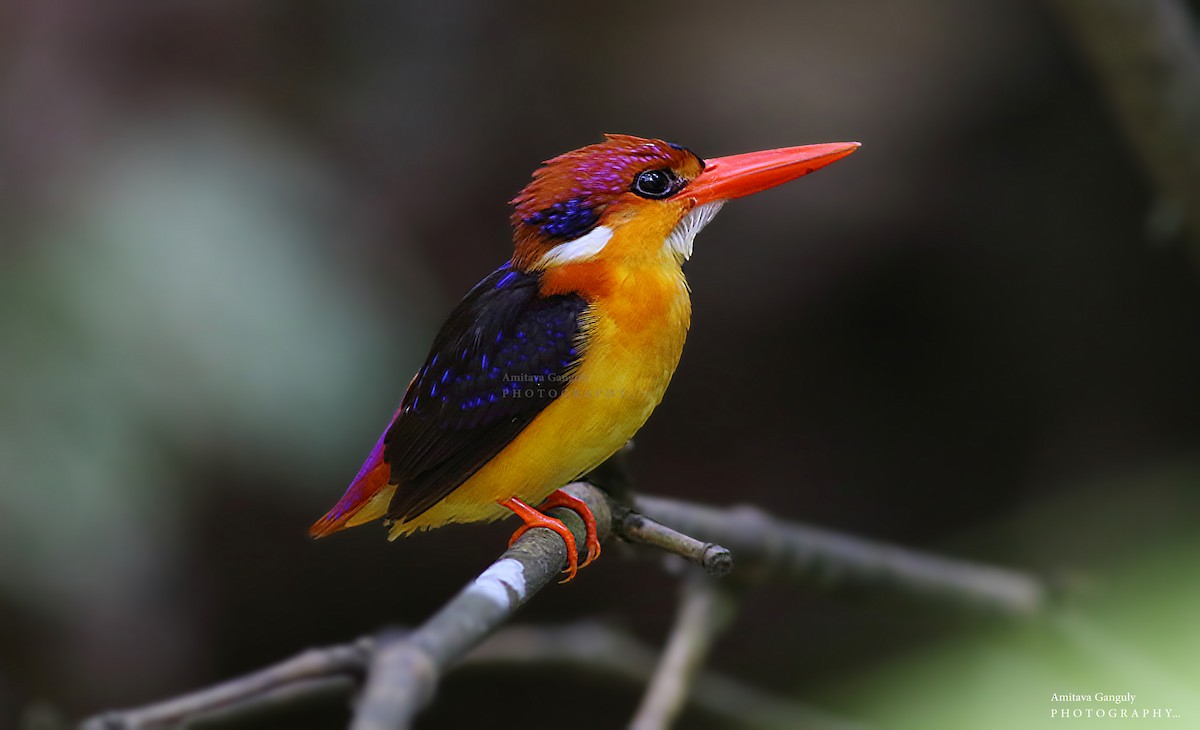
(552, 362)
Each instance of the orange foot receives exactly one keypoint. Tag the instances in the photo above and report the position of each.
(537, 518)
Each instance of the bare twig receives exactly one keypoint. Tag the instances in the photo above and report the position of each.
(705, 609)
(587, 647)
(771, 548)
(614, 477)
(404, 672)
(636, 528)
(1147, 56)
(279, 700)
(592, 647)
(341, 664)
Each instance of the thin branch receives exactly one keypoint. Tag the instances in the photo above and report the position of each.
(343, 662)
(705, 609)
(1146, 54)
(334, 671)
(615, 478)
(404, 671)
(592, 647)
(716, 560)
(283, 699)
(768, 548)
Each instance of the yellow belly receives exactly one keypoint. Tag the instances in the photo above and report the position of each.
(633, 341)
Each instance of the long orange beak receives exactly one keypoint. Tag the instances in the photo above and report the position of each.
(726, 178)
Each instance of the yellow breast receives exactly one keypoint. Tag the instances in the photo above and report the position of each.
(633, 337)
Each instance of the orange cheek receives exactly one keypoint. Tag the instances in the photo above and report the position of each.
(640, 229)
(643, 228)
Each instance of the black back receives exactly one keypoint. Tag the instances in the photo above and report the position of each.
(504, 354)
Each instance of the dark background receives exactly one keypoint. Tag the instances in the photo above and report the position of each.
(228, 231)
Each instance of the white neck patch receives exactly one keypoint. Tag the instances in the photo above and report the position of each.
(580, 249)
(680, 241)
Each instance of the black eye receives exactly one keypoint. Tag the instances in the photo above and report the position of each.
(655, 184)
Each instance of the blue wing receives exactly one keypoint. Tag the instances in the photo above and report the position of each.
(502, 356)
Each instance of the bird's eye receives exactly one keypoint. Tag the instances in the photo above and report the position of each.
(655, 184)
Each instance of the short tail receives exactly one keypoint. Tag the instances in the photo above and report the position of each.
(366, 499)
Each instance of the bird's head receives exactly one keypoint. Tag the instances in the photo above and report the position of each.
(631, 199)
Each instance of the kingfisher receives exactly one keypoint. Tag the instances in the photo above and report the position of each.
(556, 359)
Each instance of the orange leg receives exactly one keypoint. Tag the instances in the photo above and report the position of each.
(535, 518)
(561, 499)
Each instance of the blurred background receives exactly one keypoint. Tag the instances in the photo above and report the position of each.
(229, 230)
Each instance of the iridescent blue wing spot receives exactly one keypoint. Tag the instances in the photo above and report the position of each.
(503, 355)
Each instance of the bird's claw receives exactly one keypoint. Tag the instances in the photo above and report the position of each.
(538, 518)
